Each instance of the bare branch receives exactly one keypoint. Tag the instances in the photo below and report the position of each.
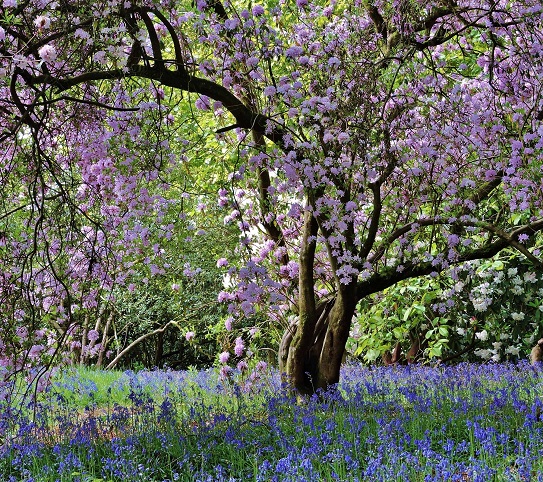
(137, 341)
(94, 103)
(153, 37)
(180, 64)
(271, 227)
(508, 239)
(374, 223)
(378, 20)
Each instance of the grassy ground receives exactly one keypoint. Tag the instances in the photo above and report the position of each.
(462, 423)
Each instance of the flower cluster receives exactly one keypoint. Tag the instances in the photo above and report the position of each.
(476, 422)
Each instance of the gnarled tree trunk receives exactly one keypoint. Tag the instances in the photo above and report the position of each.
(312, 349)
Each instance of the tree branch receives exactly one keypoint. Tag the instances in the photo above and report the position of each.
(484, 192)
(510, 238)
(390, 275)
(138, 341)
(175, 39)
(153, 37)
(264, 182)
(378, 20)
(400, 232)
(376, 189)
(245, 117)
(94, 103)
(374, 223)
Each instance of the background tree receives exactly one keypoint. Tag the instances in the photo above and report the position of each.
(373, 143)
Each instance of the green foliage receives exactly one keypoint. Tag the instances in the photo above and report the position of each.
(186, 293)
(387, 318)
(485, 309)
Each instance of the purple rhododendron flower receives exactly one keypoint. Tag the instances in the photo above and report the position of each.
(239, 347)
(224, 356)
(93, 335)
(228, 323)
(222, 262)
(258, 10)
(48, 53)
(42, 22)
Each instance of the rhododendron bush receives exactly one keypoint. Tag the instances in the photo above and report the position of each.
(482, 310)
(371, 142)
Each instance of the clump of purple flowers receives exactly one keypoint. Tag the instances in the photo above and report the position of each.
(466, 422)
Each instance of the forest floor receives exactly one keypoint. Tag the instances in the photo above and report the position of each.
(466, 422)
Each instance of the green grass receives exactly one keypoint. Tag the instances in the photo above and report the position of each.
(83, 386)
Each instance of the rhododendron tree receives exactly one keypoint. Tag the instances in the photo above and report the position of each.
(373, 142)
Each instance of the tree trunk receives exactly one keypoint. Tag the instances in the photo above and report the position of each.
(104, 342)
(312, 349)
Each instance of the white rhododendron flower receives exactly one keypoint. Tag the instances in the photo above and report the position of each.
(482, 353)
(512, 350)
(48, 53)
(42, 22)
(517, 290)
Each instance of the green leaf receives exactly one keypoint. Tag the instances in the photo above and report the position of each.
(435, 351)
(443, 331)
(372, 354)
(398, 332)
(497, 265)
(428, 297)
(358, 351)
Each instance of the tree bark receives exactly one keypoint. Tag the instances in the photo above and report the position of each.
(302, 339)
(312, 349)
